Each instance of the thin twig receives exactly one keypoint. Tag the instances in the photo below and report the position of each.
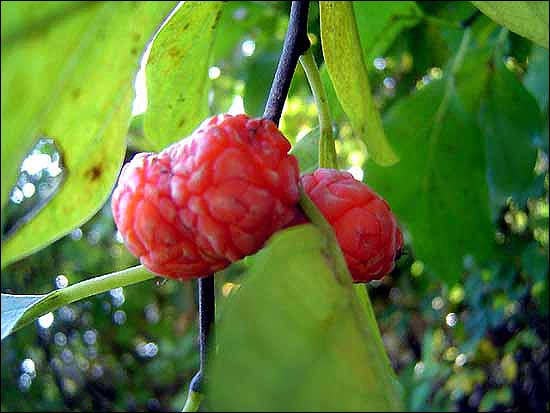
(207, 316)
(296, 43)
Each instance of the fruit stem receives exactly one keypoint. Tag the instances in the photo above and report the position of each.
(207, 315)
(193, 402)
(296, 42)
(327, 151)
(83, 289)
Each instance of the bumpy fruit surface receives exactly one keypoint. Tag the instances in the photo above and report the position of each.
(207, 200)
(363, 222)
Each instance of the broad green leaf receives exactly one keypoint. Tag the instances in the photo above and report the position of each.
(293, 338)
(511, 122)
(20, 310)
(536, 79)
(380, 22)
(347, 70)
(439, 189)
(306, 150)
(73, 76)
(526, 18)
(177, 72)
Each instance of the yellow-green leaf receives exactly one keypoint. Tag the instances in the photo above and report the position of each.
(297, 337)
(348, 73)
(177, 72)
(69, 78)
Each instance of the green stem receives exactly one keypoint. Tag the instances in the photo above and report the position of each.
(193, 401)
(327, 151)
(78, 291)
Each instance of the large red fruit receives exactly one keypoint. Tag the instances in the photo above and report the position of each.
(207, 200)
(363, 222)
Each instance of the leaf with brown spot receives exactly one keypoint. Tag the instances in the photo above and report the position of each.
(177, 70)
(53, 69)
(94, 173)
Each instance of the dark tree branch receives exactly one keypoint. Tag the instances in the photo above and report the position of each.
(296, 43)
(207, 315)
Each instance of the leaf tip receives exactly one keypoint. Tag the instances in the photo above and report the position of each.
(386, 158)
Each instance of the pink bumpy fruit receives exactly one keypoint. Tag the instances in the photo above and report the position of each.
(207, 200)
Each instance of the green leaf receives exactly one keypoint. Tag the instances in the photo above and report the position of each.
(511, 122)
(526, 18)
(536, 79)
(13, 308)
(295, 340)
(473, 76)
(380, 22)
(347, 70)
(306, 150)
(74, 74)
(438, 190)
(177, 72)
(20, 310)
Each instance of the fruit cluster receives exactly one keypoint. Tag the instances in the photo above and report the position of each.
(218, 195)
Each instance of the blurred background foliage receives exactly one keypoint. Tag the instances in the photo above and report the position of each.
(477, 344)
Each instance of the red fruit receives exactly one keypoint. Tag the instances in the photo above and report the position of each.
(363, 222)
(207, 200)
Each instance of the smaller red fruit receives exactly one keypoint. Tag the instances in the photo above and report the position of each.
(362, 221)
